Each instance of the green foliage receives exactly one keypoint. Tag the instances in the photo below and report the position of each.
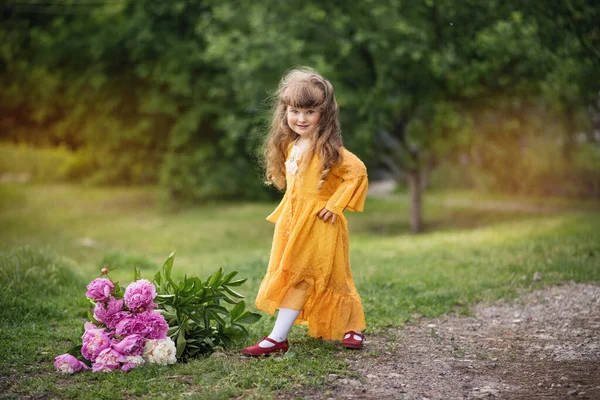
(198, 320)
(174, 92)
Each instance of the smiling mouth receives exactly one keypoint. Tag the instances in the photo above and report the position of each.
(302, 126)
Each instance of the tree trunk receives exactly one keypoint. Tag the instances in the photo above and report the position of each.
(415, 191)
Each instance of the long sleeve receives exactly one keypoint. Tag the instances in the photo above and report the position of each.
(352, 192)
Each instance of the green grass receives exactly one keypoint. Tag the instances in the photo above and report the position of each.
(474, 249)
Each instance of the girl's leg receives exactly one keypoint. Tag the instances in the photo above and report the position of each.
(283, 324)
(291, 305)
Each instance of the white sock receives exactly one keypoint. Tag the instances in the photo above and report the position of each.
(283, 324)
(356, 337)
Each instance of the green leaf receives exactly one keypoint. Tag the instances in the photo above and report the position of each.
(169, 309)
(233, 293)
(212, 298)
(237, 283)
(248, 318)
(216, 317)
(165, 296)
(168, 266)
(229, 277)
(92, 319)
(237, 311)
(136, 273)
(215, 278)
(236, 332)
(217, 308)
(209, 342)
(181, 343)
(230, 301)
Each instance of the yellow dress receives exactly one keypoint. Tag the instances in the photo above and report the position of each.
(309, 266)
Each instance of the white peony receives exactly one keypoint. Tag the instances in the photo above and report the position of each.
(137, 360)
(160, 351)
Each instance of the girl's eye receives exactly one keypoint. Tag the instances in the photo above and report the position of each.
(311, 111)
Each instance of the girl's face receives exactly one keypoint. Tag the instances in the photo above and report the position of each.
(303, 121)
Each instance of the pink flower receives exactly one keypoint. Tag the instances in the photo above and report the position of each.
(156, 326)
(99, 289)
(67, 364)
(139, 295)
(132, 345)
(89, 325)
(110, 312)
(94, 342)
(107, 360)
(130, 325)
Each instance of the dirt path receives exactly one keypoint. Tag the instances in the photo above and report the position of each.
(543, 345)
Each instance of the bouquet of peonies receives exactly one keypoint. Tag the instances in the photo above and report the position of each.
(126, 331)
(160, 324)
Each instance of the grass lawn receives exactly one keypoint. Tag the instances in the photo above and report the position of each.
(475, 248)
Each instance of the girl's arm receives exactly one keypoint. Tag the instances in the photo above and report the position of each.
(352, 192)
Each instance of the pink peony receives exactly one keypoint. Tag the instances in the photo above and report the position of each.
(110, 312)
(94, 342)
(132, 345)
(139, 295)
(99, 289)
(130, 325)
(107, 360)
(89, 325)
(67, 364)
(156, 326)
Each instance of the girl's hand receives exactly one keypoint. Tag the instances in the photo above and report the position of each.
(325, 214)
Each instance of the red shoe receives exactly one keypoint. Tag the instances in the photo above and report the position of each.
(351, 342)
(256, 350)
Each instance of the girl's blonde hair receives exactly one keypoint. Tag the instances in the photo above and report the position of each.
(303, 88)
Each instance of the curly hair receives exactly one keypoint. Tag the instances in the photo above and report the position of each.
(303, 88)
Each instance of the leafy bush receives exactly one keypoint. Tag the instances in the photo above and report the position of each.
(198, 320)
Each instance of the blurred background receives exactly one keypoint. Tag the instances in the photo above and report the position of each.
(167, 102)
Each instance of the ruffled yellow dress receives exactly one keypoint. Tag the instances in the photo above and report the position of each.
(309, 266)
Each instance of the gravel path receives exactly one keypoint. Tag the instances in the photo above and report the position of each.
(542, 345)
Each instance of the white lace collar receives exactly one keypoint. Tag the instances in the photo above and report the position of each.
(292, 163)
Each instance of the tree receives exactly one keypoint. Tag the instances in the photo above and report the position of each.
(414, 66)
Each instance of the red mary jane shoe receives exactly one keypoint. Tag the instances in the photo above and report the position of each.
(256, 350)
(351, 342)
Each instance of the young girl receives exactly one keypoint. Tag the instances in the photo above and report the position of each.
(308, 279)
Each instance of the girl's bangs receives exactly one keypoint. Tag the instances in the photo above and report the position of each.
(302, 95)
